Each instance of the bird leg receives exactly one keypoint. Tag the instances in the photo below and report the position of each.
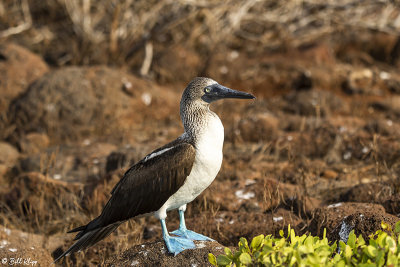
(175, 245)
(185, 233)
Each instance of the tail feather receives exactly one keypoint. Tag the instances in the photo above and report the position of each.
(89, 238)
(77, 229)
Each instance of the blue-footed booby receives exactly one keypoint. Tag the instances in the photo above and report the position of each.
(171, 176)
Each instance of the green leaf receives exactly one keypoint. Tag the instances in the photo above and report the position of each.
(228, 252)
(380, 258)
(223, 260)
(243, 245)
(372, 242)
(371, 251)
(257, 242)
(212, 259)
(281, 233)
(351, 241)
(391, 244)
(397, 227)
(245, 258)
(341, 263)
(348, 252)
(361, 240)
(342, 246)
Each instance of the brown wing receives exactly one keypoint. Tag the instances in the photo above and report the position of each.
(147, 185)
(144, 188)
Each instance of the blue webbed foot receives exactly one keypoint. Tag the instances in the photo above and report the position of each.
(176, 245)
(191, 235)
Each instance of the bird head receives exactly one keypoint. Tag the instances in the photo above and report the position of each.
(206, 90)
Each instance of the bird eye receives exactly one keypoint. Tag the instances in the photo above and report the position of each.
(207, 90)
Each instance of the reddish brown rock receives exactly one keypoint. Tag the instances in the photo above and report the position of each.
(314, 103)
(8, 154)
(392, 205)
(330, 216)
(155, 254)
(33, 143)
(364, 223)
(260, 127)
(76, 102)
(189, 66)
(18, 68)
(369, 193)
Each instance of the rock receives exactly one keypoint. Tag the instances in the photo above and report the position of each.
(33, 143)
(74, 103)
(155, 254)
(18, 68)
(392, 205)
(261, 127)
(313, 103)
(330, 216)
(3, 170)
(22, 249)
(368, 193)
(364, 223)
(8, 158)
(8, 154)
(190, 64)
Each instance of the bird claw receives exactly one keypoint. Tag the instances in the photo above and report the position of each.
(191, 235)
(176, 245)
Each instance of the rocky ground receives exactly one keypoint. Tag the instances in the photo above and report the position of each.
(319, 147)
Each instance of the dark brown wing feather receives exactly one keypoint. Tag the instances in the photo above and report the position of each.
(147, 185)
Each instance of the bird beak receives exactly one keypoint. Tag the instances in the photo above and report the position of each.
(216, 91)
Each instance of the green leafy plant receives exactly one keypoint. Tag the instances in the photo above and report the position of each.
(382, 249)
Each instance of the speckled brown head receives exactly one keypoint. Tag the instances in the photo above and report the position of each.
(206, 90)
(198, 95)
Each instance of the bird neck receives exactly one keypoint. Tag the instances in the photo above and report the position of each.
(195, 117)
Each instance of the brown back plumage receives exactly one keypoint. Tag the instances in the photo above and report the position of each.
(147, 185)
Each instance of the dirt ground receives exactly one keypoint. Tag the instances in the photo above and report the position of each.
(319, 147)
